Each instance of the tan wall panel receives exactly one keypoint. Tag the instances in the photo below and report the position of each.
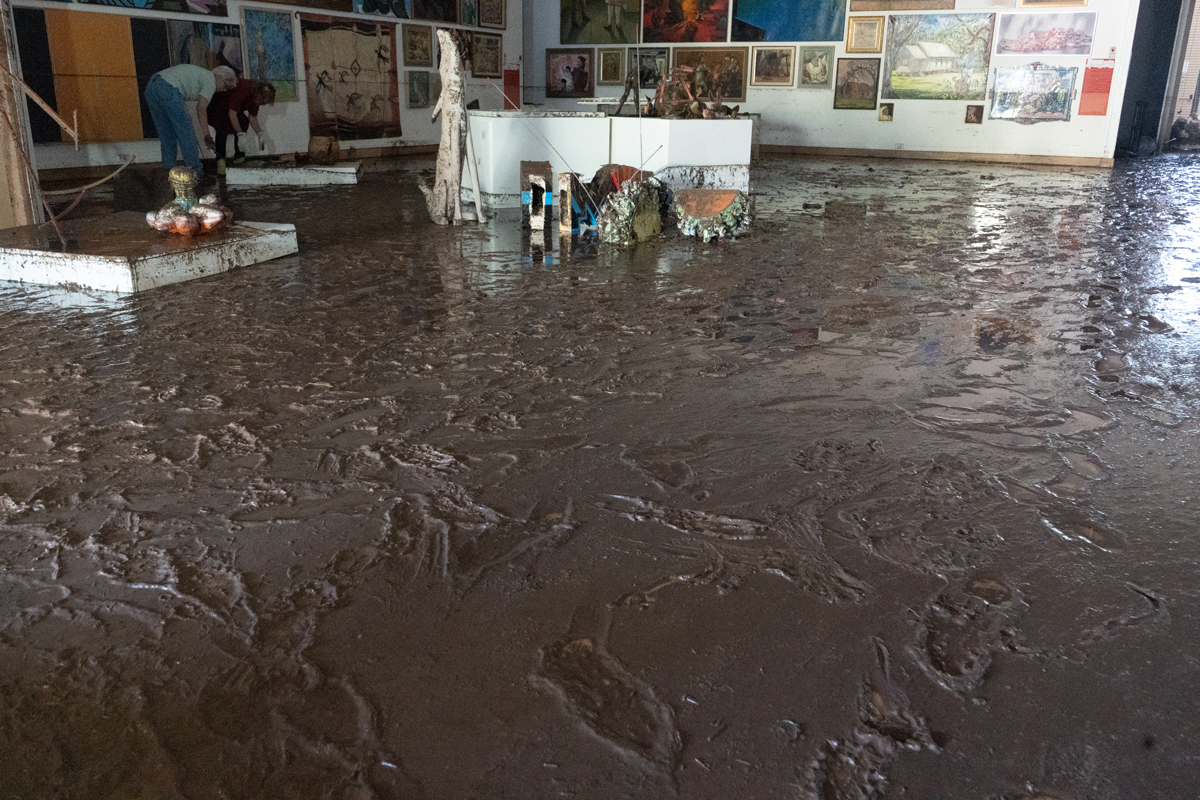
(90, 44)
(108, 106)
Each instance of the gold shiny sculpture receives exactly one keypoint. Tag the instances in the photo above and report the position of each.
(185, 214)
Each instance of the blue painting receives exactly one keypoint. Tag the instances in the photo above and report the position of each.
(271, 51)
(788, 20)
(387, 8)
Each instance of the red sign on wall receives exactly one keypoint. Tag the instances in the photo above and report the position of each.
(1097, 83)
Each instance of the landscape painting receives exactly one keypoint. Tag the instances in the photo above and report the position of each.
(781, 21)
(1067, 34)
(1033, 94)
(691, 21)
(857, 84)
(937, 56)
(270, 51)
(599, 22)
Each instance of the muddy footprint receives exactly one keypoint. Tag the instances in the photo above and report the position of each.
(598, 689)
(961, 629)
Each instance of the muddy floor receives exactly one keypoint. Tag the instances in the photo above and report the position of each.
(894, 497)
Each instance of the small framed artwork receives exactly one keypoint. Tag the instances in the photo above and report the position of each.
(773, 66)
(886, 111)
(492, 13)
(650, 64)
(857, 84)
(468, 12)
(418, 46)
(418, 89)
(816, 67)
(865, 35)
(611, 62)
(1051, 3)
(974, 115)
(487, 56)
(570, 71)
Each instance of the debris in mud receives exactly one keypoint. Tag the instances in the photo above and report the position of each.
(712, 213)
(633, 213)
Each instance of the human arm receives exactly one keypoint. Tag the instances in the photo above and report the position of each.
(202, 118)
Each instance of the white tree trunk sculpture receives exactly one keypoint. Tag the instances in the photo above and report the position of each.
(443, 198)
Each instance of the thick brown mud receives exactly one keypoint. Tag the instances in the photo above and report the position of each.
(893, 497)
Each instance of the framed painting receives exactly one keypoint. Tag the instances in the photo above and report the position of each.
(418, 46)
(487, 56)
(974, 115)
(857, 84)
(901, 5)
(784, 21)
(671, 21)
(1067, 34)
(418, 89)
(599, 21)
(271, 51)
(570, 72)
(981, 4)
(211, 8)
(937, 57)
(435, 10)
(865, 35)
(772, 67)
(492, 13)
(384, 8)
(887, 112)
(1051, 3)
(816, 67)
(1033, 93)
(611, 63)
(468, 12)
(650, 63)
(723, 71)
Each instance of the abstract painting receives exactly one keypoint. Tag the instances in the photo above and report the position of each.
(1067, 34)
(783, 21)
(600, 21)
(384, 8)
(350, 77)
(487, 56)
(650, 63)
(435, 10)
(725, 70)
(468, 12)
(938, 56)
(612, 66)
(773, 66)
(816, 66)
(212, 8)
(685, 20)
(492, 13)
(857, 84)
(1033, 94)
(271, 51)
(418, 45)
(570, 72)
(205, 44)
(418, 88)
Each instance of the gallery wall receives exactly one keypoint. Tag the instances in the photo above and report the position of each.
(95, 59)
(1093, 55)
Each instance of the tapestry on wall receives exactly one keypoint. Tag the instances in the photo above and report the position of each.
(1034, 93)
(937, 57)
(685, 20)
(350, 76)
(212, 8)
(271, 51)
(599, 22)
(780, 21)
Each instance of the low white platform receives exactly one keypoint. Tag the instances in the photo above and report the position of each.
(685, 154)
(120, 253)
(292, 175)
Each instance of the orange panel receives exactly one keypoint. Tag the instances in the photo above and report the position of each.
(88, 43)
(108, 107)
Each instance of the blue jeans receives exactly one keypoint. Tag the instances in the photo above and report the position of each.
(173, 123)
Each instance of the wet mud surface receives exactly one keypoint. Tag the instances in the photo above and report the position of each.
(893, 497)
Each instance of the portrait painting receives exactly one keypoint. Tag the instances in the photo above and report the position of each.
(418, 45)
(570, 72)
(773, 66)
(721, 71)
(856, 84)
(816, 66)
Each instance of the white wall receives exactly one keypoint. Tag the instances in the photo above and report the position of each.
(287, 123)
(806, 117)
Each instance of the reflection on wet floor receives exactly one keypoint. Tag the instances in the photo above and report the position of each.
(892, 497)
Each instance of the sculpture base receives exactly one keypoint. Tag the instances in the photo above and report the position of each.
(280, 175)
(121, 254)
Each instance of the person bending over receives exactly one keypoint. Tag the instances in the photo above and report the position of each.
(234, 111)
(167, 95)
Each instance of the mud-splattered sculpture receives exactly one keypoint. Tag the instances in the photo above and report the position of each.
(443, 198)
(185, 214)
(633, 213)
(712, 213)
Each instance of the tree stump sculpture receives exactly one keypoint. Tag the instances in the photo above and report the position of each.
(443, 198)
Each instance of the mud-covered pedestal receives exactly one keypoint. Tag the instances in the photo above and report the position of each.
(119, 253)
(292, 175)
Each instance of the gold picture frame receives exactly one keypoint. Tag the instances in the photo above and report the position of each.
(865, 35)
(610, 66)
(773, 66)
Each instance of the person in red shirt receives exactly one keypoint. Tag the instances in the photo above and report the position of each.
(232, 112)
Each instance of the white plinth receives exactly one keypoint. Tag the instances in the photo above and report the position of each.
(121, 254)
(292, 175)
(686, 154)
